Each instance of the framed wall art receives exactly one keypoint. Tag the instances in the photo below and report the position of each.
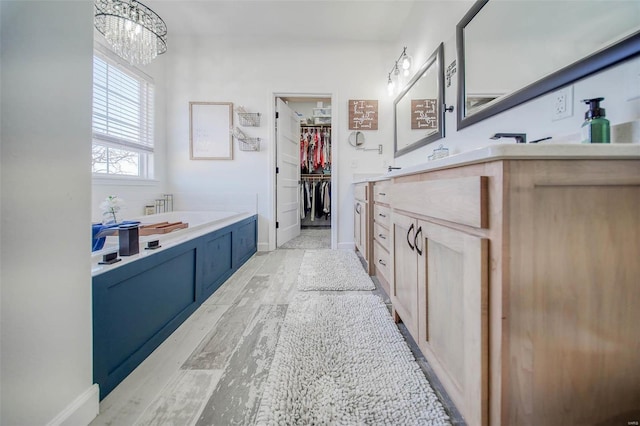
(209, 130)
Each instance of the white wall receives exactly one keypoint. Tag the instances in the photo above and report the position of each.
(248, 73)
(434, 22)
(46, 371)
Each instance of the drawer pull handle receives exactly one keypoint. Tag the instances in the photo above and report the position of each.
(382, 193)
(382, 262)
(358, 208)
(408, 238)
(415, 242)
(382, 215)
(382, 236)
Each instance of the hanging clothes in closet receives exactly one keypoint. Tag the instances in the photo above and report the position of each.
(315, 199)
(315, 150)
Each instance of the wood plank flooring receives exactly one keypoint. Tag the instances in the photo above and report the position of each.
(212, 369)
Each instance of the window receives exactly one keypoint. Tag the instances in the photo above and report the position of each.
(122, 121)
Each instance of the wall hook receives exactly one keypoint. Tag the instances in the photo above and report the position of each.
(448, 108)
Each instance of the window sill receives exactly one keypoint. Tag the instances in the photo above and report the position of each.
(123, 181)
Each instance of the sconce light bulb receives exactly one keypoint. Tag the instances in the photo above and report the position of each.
(406, 62)
(405, 72)
(396, 71)
(390, 86)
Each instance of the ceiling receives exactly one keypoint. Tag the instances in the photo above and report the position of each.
(331, 20)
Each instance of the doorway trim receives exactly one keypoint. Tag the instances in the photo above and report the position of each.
(335, 137)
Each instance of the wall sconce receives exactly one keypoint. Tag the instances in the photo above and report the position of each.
(405, 62)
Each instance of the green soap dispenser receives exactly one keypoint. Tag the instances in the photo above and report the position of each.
(595, 128)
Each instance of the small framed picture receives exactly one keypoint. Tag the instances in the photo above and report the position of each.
(209, 130)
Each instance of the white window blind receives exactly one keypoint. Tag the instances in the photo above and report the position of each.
(122, 120)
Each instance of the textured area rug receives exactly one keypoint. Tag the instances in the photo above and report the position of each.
(310, 239)
(340, 359)
(332, 270)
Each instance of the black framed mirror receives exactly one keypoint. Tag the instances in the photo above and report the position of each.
(417, 111)
(512, 52)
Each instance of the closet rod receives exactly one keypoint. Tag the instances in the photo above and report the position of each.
(315, 177)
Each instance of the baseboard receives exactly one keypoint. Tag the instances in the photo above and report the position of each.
(81, 411)
(263, 246)
(346, 246)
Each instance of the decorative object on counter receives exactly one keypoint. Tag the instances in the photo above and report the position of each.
(439, 152)
(162, 205)
(110, 207)
(363, 114)
(405, 62)
(209, 124)
(519, 137)
(247, 119)
(135, 32)
(162, 228)
(128, 240)
(595, 128)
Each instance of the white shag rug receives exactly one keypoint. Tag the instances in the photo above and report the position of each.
(340, 360)
(332, 270)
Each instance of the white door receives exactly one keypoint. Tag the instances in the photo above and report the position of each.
(287, 173)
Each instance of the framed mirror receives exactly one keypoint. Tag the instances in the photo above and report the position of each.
(417, 111)
(512, 51)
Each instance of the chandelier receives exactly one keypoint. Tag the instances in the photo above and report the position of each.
(135, 32)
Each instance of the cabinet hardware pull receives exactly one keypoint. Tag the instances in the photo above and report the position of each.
(408, 239)
(382, 193)
(380, 261)
(415, 241)
(358, 208)
(382, 236)
(382, 215)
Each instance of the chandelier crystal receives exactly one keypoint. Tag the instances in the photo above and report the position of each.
(135, 32)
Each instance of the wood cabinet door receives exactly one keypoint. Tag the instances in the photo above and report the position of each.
(404, 294)
(452, 275)
(364, 230)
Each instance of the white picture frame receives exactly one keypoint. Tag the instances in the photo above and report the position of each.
(210, 125)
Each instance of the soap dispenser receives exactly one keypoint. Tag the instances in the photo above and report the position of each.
(595, 128)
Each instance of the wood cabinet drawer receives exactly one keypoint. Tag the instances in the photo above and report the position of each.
(360, 192)
(382, 261)
(382, 215)
(460, 200)
(381, 192)
(381, 235)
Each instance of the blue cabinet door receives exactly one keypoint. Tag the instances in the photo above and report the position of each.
(216, 262)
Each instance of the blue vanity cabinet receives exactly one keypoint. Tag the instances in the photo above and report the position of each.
(244, 241)
(216, 261)
(138, 305)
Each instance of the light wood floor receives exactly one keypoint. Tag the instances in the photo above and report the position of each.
(212, 369)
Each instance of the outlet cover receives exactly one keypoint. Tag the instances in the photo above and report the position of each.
(562, 103)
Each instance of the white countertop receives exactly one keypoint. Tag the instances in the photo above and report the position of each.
(167, 241)
(520, 152)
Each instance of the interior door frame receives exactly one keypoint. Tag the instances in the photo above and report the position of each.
(335, 137)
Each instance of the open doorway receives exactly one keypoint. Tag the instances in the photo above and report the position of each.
(311, 189)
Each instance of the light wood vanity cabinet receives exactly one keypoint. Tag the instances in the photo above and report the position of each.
(520, 282)
(381, 258)
(362, 221)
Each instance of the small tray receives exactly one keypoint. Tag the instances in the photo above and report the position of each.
(162, 228)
